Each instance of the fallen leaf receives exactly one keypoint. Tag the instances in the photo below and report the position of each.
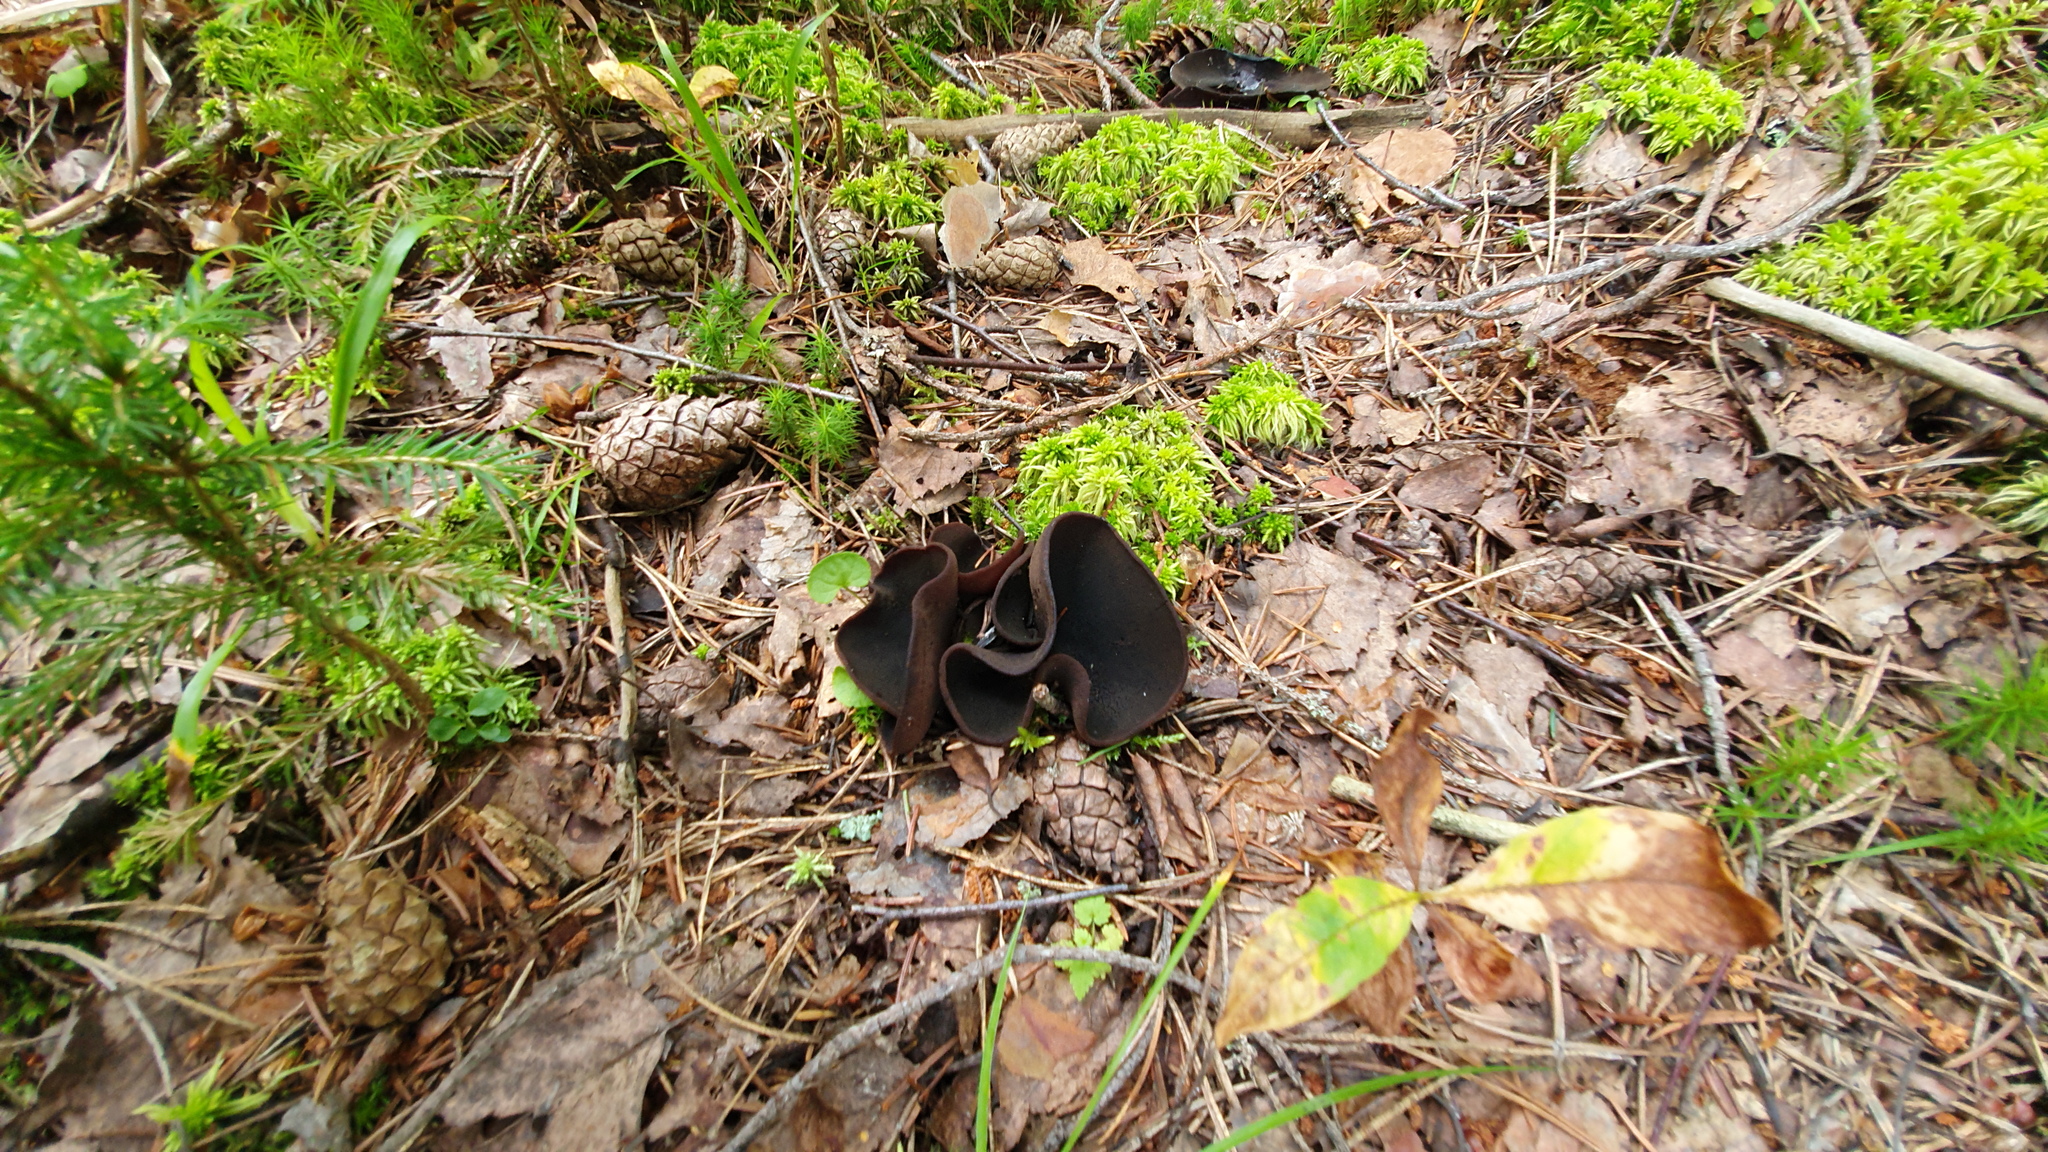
(1043, 1067)
(862, 1106)
(1097, 267)
(755, 722)
(972, 212)
(1670, 437)
(1629, 877)
(1419, 156)
(1342, 612)
(926, 478)
(1382, 1000)
(1791, 178)
(1407, 782)
(1307, 957)
(1036, 1041)
(1615, 162)
(1314, 287)
(712, 82)
(582, 1061)
(1479, 964)
(526, 395)
(465, 359)
(1073, 328)
(644, 87)
(1455, 487)
(1775, 679)
(953, 814)
(1402, 428)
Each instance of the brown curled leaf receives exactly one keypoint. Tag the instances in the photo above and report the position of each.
(1479, 964)
(1407, 783)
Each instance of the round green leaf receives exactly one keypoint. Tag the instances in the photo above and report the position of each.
(444, 727)
(487, 700)
(837, 571)
(64, 85)
(846, 691)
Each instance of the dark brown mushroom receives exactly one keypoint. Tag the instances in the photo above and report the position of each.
(1221, 73)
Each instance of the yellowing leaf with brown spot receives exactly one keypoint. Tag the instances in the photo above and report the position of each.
(644, 87)
(712, 82)
(1631, 877)
(1305, 958)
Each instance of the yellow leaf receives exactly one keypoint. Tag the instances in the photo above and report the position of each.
(712, 82)
(1631, 877)
(1308, 957)
(644, 87)
(962, 170)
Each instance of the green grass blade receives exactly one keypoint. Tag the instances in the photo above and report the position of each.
(1246, 1133)
(354, 346)
(1180, 947)
(984, 1084)
(185, 726)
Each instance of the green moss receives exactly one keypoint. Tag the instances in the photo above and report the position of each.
(1958, 244)
(1259, 403)
(2010, 716)
(1945, 68)
(949, 101)
(812, 428)
(448, 663)
(1809, 762)
(1389, 65)
(894, 195)
(1674, 101)
(773, 62)
(1590, 31)
(1176, 168)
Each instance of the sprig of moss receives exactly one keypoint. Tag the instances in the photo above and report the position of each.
(894, 195)
(1389, 65)
(1584, 31)
(1961, 243)
(448, 662)
(1675, 101)
(1260, 403)
(1178, 168)
(949, 101)
(810, 427)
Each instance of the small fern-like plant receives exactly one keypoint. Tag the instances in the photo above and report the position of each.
(1809, 762)
(471, 697)
(1675, 101)
(812, 428)
(2022, 503)
(2010, 716)
(894, 195)
(1260, 403)
(1179, 168)
(1389, 65)
(1585, 31)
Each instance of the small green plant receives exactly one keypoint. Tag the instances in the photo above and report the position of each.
(822, 357)
(835, 574)
(1961, 243)
(371, 1107)
(1354, 19)
(1389, 65)
(892, 270)
(727, 331)
(1178, 168)
(1028, 741)
(1095, 926)
(1586, 31)
(894, 195)
(811, 867)
(2010, 716)
(1145, 472)
(472, 700)
(1260, 403)
(205, 1104)
(2011, 828)
(1675, 101)
(949, 101)
(860, 826)
(1809, 762)
(2021, 503)
(812, 428)
(1948, 68)
(865, 713)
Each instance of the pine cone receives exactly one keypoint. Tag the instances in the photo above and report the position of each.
(1026, 264)
(655, 453)
(1072, 43)
(1565, 580)
(642, 248)
(387, 949)
(1018, 150)
(1168, 46)
(842, 233)
(1260, 38)
(1087, 811)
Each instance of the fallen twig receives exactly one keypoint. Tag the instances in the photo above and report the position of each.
(1965, 378)
(98, 202)
(1710, 685)
(1295, 129)
(702, 369)
(1454, 821)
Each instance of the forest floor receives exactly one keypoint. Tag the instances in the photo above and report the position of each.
(1640, 547)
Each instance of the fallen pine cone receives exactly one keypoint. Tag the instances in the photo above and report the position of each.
(387, 949)
(1167, 46)
(1026, 264)
(643, 248)
(1260, 38)
(1087, 811)
(842, 233)
(1018, 150)
(656, 453)
(1561, 580)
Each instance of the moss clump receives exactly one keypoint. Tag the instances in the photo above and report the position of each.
(1958, 244)
(1175, 168)
(1261, 403)
(1587, 31)
(1147, 473)
(1675, 101)
(949, 101)
(1389, 65)
(893, 194)
(811, 428)
(776, 62)
(449, 663)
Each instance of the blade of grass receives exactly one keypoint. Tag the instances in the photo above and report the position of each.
(1109, 1070)
(353, 347)
(184, 746)
(984, 1083)
(1246, 1133)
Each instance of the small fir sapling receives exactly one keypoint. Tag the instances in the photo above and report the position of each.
(1260, 403)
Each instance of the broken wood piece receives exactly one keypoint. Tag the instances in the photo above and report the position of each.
(1454, 821)
(1295, 129)
(1904, 354)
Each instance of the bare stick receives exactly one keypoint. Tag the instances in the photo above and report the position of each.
(1965, 378)
(1294, 129)
(1454, 821)
(623, 784)
(1710, 685)
(1427, 195)
(1130, 90)
(955, 911)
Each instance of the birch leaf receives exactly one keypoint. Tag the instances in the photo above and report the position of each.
(1305, 958)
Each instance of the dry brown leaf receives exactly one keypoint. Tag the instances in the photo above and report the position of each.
(973, 212)
(1382, 1001)
(1479, 964)
(925, 477)
(1455, 487)
(643, 87)
(1629, 877)
(953, 814)
(1419, 156)
(1097, 267)
(1407, 782)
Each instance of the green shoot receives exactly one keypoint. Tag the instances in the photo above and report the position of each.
(206, 1103)
(1028, 741)
(353, 345)
(1262, 404)
(1177, 168)
(2014, 827)
(1144, 1013)
(811, 867)
(472, 700)
(812, 428)
(837, 573)
(2022, 503)
(2010, 716)
(893, 195)
(984, 1081)
(1095, 926)
(1809, 762)
(1389, 65)
(1584, 31)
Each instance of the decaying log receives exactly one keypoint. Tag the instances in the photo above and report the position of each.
(1294, 129)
